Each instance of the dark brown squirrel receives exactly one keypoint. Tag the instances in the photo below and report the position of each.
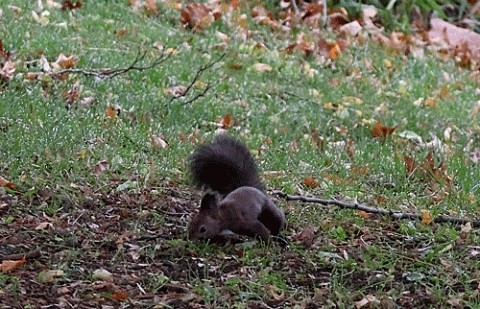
(236, 200)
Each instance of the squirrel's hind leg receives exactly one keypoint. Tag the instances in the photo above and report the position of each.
(256, 229)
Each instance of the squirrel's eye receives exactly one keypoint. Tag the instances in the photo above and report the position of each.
(203, 229)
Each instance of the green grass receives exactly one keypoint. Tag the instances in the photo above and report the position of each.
(124, 221)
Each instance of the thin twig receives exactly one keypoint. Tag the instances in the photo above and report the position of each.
(195, 79)
(397, 215)
(110, 73)
(18, 256)
(201, 94)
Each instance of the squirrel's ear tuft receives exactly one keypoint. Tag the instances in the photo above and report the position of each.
(209, 201)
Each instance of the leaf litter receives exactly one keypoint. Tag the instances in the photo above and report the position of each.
(115, 253)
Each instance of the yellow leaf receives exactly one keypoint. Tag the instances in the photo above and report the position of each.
(328, 105)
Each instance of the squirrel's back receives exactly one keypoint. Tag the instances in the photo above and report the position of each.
(224, 165)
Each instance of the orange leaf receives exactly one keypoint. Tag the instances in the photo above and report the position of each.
(65, 62)
(363, 214)
(120, 295)
(426, 218)
(227, 120)
(7, 266)
(381, 131)
(329, 50)
(111, 112)
(310, 182)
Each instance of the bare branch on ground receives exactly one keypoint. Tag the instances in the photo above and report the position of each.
(18, 256)
(397, 215)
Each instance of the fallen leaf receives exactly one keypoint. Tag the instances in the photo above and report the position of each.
(100, 167)
(262, 67)
(64, 62)
(87, 102)
(466, 228)
(7, 266)
(426, 217)
(306, 235)
(102, 274)
(151, 8)
(381, 131)
(112, 111)
(49, 276)
(310, 182)
(44, 225)
(71, 5)
(442, 32)
(276, 293)
(196, 16)
(363, 214)
(158, 141)
(176, 91)
(367, 300)
(6, 183)
(410, 165)
(120, 295)
(353, 28)
(328, 50)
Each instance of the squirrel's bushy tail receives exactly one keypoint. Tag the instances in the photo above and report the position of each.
(224, 165)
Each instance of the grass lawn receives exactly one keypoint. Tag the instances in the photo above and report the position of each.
(102, 190)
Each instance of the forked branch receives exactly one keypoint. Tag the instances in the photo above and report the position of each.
(110, 73)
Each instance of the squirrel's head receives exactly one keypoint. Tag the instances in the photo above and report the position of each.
(205, 225)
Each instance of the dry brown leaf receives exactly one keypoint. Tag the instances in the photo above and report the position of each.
(430, 102)
(87, 102)
(112, 111)
(306, 235)
(426, 217)
(276, 293)
(7, 266)
(120, 295)
(5, 183)
(65, 62)
(100, 167)
(197, 16)
(151, 8)
(176, 91)
(381, 131)
(9, 67)
(69, 5)
(443, 32)
(329, 50)
(363, 214)
(262, 67)
(353, 28)
(44, 226)
(410, 165)
(235, 66)
(158, 141)
(310, 182)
